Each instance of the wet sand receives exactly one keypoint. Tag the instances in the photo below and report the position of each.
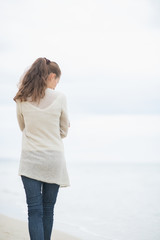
(13, 229)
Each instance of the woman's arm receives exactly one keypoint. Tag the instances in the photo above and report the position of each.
(20, 116)
(64, 121)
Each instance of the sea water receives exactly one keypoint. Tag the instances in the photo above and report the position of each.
(114, 169)
(117, 201)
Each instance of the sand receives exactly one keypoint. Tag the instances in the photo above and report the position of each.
(13, 229)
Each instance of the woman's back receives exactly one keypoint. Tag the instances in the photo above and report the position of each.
(43, 126)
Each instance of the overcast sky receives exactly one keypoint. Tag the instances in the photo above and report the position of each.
(108, 51)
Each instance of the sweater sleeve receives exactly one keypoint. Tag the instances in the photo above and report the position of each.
(20, 116)
(64, 120)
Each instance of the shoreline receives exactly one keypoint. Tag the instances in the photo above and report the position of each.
(13, 229)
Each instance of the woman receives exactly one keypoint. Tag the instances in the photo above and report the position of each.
(43, 119)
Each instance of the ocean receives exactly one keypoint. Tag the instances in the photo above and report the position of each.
(114, 168)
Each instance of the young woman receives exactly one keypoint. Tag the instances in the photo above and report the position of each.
(43, 119)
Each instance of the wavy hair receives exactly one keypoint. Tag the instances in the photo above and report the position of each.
(34, 81)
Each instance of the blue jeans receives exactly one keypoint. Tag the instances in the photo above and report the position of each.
(40, 198)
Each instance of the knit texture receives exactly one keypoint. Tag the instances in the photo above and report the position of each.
(43, 127)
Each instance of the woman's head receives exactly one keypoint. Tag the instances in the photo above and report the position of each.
(43, 73)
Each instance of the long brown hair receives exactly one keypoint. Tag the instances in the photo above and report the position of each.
(34, 82)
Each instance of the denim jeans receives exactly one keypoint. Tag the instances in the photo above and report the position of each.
(40, 198)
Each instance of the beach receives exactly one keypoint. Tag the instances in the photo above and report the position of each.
(125, 206)
(13, 229)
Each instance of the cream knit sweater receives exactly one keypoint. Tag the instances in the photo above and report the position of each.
(43, 126)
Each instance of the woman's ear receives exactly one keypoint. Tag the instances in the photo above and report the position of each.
(51, 76)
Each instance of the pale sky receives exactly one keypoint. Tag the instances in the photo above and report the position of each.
(108, 51)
